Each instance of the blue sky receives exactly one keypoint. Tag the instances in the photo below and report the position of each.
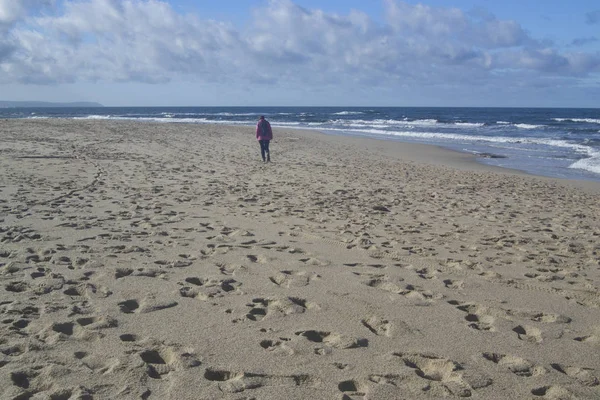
(302, 52)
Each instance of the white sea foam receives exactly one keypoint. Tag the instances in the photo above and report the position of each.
(456, 137)
(158, 119)
(223, 114)
(588, 120)
(503, 122)
(285, 123)
(470, 124)
(591, 164)
(362, 122)
(400, 123)
(184, 120)
(528, 126)
(348, 113)
(168, 113)
(100, 117)
(422, 122)
(228, 114)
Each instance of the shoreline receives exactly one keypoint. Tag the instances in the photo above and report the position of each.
(417, 152)
(162, 261)
(434, 155)
(445, 156)
(442, 156)
(541, 141)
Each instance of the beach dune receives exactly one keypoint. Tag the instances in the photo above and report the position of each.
(166, 261)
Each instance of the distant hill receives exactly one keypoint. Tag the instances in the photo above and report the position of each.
(37, 104)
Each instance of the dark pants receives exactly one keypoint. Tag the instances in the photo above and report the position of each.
(264, 149)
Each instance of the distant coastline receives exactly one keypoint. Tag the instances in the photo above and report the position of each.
(45, 104)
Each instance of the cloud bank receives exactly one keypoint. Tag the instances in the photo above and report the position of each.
(44, 42)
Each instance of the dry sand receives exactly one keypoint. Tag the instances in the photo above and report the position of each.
(165, 261)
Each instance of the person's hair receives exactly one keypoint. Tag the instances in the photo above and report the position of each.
(262, 117)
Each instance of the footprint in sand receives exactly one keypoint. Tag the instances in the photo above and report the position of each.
(581, 375)
(374, 387)
(554, 392)
(88, 290)
(147, 272)
(20, 310)
(379, 326)
(260, 259)
(129, 306)
(353, 389)
(332, 340)
(394, 285)
(146, 305)
(454, 284)
(231, 382)
(161, 359)
(34, 382)
(98, 364)
(289, 279)
(353, 265)
(40, 272)
(128, 337)
(342, 366)
(16, 325)
(174, 263)
(593, 339)
(288, 249)
(314, 262)
(231, 269)
(98, 322)
(23, 378)
(16, 350)
(427, 273)
(237, 382)
(48, 284)
(212, 250)
(273, 307)
(17, 286)
(277, 346)
(481, 322)
(86, 329)
(377, 266)
(442, 377)
(528, 333)
(206, 288)
(482, 318)
(516, 365)
(546, 318)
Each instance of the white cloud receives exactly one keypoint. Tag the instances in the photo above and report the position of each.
(148, 41)
(12, 11)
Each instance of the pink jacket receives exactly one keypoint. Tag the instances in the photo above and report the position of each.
(263, 130)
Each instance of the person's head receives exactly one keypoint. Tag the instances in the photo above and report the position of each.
(262, 117)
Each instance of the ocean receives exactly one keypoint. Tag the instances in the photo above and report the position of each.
(554, 142)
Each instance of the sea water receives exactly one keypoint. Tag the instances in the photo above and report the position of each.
(563, 143)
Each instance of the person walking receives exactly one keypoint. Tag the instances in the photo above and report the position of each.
(264, 135)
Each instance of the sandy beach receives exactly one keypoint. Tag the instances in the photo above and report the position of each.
(166, 261)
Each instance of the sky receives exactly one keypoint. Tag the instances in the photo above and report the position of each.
(478, 53)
